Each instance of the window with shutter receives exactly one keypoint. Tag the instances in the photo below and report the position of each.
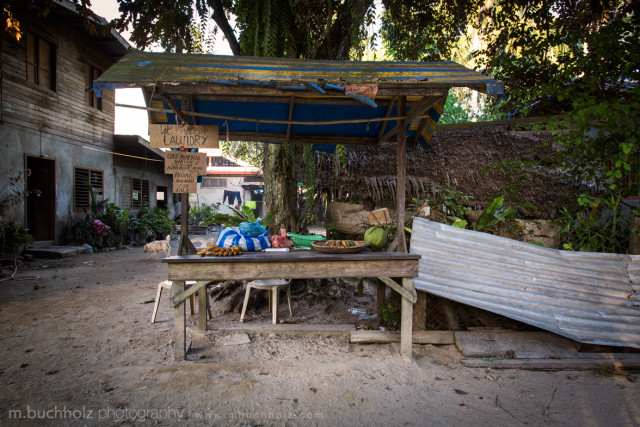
(135, 193)
(90, 74)
(81, 194)
(41, 61)
(208, 182)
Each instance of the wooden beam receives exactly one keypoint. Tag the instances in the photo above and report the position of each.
(174, 107)
(555, 365)
(419, 337)
(411, 297)
(387, 114)
(307, 99)
(302, 139)
(417, 111)
(290, 116)
(423, 122)
(384, 89)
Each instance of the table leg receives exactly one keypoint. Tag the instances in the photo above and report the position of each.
(274, 305)
(406, 323)
(381, 296)
(179, 322)
(202, 308)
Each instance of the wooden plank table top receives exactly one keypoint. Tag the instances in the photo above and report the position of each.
(297, 264)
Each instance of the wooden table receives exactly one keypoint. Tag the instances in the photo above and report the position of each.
(299, 264)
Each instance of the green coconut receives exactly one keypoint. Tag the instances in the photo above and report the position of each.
(377, 238)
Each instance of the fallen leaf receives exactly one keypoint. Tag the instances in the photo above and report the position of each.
(461, 392)
(264, 373)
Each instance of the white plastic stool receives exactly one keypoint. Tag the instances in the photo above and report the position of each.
(167, 284)
(274, 286)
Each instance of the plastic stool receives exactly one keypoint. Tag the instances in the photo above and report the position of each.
(273, 286)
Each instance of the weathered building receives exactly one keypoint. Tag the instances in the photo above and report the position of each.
(53, 124)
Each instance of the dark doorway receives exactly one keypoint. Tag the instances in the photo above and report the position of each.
(161, 197)
(41, 198)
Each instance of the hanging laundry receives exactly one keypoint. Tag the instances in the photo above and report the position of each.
(231, 196)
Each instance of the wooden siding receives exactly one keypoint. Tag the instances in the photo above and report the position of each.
(65, 112)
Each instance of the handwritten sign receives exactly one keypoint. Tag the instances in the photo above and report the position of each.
(187, 136)
(185, 182)
(184, 161)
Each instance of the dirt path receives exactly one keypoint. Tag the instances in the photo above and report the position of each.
(77, 347)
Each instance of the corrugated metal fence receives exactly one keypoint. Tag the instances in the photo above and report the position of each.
(588, 297)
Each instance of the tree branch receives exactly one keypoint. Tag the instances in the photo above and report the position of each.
(221, 20)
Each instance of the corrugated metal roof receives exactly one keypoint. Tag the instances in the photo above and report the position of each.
(588, 297)
(153, 67)
(294, 100)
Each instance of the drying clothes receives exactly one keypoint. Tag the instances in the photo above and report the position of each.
(231, 196)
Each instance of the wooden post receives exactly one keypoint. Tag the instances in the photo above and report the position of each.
(406, 320)
(420, 312)
(185, 247)
(179, 322)
(401, 180)
(202, 308)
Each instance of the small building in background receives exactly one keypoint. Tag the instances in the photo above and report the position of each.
(229, 182)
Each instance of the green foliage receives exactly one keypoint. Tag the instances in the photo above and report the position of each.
(250, 152)
(424, 30)
(464, 106)
(244, 214)
(197, 215)
(12, 237)
(598, 224)
(124, 227)
(390, 313)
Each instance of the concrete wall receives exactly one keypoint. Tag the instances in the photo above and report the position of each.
(18, 142)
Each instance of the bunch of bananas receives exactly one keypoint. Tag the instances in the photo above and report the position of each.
(340, 243)
(215, 250)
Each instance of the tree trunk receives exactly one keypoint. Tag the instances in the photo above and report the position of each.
(280, 185)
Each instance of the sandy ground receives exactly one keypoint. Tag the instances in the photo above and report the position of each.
(77, 348)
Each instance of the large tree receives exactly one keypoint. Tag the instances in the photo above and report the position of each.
(310, 29)
(576, 59)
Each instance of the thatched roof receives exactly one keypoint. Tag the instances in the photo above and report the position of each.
(455, 160)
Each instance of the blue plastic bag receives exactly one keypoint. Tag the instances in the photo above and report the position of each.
(251, 229)
(230, 236)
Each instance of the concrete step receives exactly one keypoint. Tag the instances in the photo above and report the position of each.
(52, 251)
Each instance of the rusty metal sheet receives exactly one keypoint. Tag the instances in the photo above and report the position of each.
(589, 297)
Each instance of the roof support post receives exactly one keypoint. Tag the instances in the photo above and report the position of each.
(399, 244)
(174, 107)
(290, 116)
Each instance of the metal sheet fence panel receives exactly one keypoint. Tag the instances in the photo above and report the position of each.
(588, 297)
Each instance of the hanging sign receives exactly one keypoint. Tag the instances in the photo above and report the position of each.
(184, 161)
(187, 136)
(185, 182)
